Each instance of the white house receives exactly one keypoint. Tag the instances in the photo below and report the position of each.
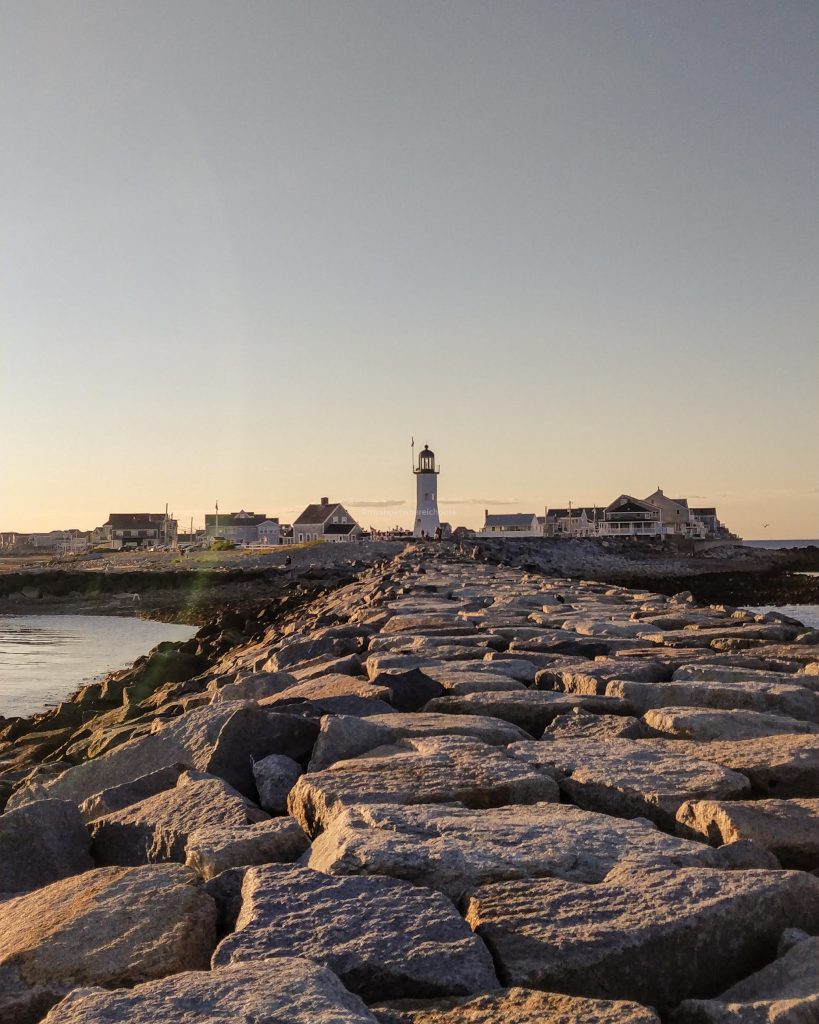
(628, 516)
(327, 521)
(516, 524)
(269, 532)
(237, 527)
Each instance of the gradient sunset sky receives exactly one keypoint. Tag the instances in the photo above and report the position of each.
(249, 249)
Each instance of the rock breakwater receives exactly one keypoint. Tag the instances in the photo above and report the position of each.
(439, 791)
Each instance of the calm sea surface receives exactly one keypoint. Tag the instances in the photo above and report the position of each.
(43, 658)
(781, 543)
(806, 613)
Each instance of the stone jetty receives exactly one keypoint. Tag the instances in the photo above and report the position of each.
(442, 791)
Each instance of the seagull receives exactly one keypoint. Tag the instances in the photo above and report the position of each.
(765, 526)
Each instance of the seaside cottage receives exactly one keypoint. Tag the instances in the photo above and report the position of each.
(237, 527)
(140, 530)
(521, 524)
(327, 521)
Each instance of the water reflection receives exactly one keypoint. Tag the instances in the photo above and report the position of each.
(43, 658)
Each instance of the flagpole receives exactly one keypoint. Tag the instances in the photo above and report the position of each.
(412, 448)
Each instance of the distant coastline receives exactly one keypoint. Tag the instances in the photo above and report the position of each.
(781, 543)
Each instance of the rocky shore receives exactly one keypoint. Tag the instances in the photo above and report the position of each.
(430, 790)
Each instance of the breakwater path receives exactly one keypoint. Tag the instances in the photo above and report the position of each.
(442, 792)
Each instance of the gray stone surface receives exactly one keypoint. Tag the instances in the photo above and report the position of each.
(712, 724)
(275, 775)
(656, 937)
(531, 710)
(212, 850)
(385, 939)
(220, 739)
(41, 843)
(453, 849)
(110, 927)
(771, 698)
(515, 1006)
(788, 828)
(580, 724)
(784, 992)
(630, 778)
(419, 771)
(254, 686)
(158, 829)
(118, 797)
(283, 989)
(777, 766)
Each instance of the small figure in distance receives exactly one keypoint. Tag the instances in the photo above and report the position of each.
(288, 562)
(476, 551)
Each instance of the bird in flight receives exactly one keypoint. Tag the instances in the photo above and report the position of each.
(765, 526)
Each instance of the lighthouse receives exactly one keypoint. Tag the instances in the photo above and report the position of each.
(426, 506)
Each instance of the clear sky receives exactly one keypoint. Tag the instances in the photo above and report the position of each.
(249, 249)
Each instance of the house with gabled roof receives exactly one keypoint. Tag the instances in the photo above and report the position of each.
(139, 530)
(327, 521)
(237, 527)
(575, 521)
(517, 524)
(628, 516)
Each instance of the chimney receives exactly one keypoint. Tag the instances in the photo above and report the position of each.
(485, 514)
(325, 501)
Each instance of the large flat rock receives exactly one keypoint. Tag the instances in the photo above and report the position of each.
(712, 724)
(41, 843)
(385, 939)
(789, 699)
(109, 927)
(342, 736)
(777, 766)
(630, 778)
(531, 710)
(210, 851)
(788, 828)
(453, 849)
(784, 992)
(222, 739)
(283, 989)
(158, 829)
(656, 937)
(330, 685)
(419, 771)
(515, 1006)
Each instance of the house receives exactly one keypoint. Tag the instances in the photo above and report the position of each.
(285, 533)
(517, 524)
(675, 514)
(327, 521)
(580, 521)
(711, 526)
(237, 527)
(138, 530)
(628, 516)
(268, 532)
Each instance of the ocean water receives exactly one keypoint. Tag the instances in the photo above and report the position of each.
(806, 613)
(780, 543)
(43, 658)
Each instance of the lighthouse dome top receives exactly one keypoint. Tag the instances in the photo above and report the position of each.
(426, 461)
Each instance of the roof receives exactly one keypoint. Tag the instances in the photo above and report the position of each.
(627, 503)
(317, 514)
(340, 528)
(135, 520)
(235, 518)
(522, 519)
(575, 513)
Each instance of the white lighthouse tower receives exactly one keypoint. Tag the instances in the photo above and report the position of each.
(427, 520)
